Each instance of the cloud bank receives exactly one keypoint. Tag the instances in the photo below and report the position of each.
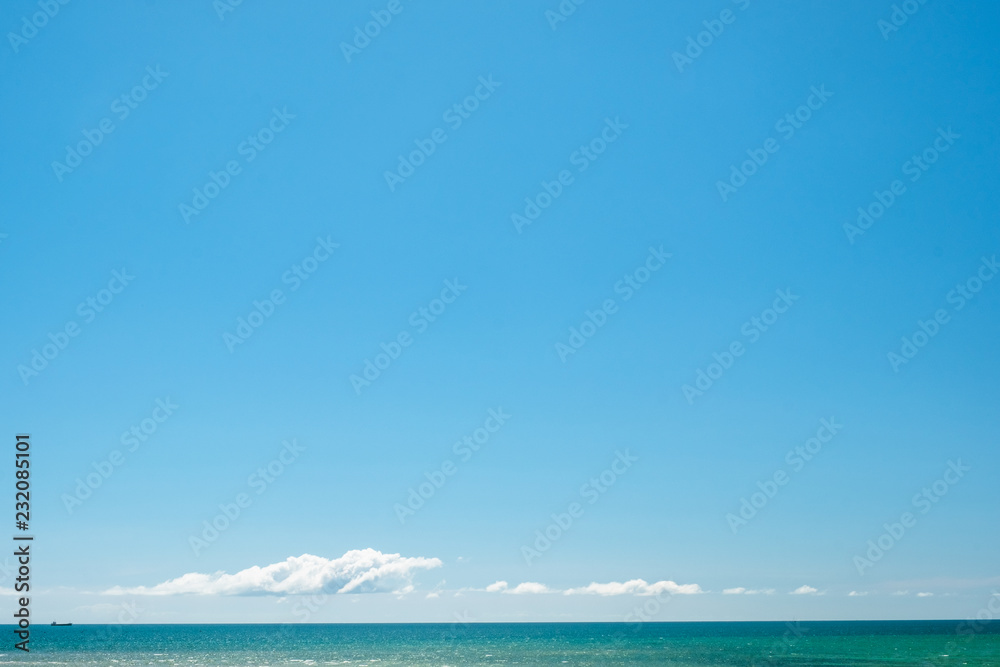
(631, 587)
(357, 571)
(637, 587)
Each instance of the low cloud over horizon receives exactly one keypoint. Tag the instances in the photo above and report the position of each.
(748, 591)
(371, 571)
(357, 571)
(631, 587)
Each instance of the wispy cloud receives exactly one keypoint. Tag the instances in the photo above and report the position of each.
(747, 591)
(803, 590)
(357, 571)
(636, 587)
(631, 587)
(857, 594)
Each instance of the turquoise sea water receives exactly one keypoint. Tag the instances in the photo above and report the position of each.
(922, 643)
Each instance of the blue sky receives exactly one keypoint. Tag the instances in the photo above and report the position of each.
(634, 141)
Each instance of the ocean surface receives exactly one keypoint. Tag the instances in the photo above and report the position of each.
(919, 643)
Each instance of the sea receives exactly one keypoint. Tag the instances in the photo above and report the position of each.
(895, 643)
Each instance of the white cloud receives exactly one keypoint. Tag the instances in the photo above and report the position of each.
(743, 591)
(857, 594)
(631, 587)
(804, 590)
(924, 595)
(529, 587)
(637, 587)
(901, 593)
(357, 571)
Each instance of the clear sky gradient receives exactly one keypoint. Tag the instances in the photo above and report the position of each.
(249, 155)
